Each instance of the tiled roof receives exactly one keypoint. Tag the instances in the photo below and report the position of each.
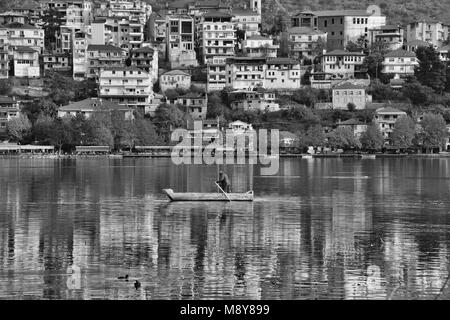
(282, 61)
(258, 37)
(216, 14)
(4, 99)
(336, 13)
(103, 47)
(348, 85)
(304, 30)
(88, 105)
(352, 122)
(343, 53)
(242, 12)
(418, 43)
(400, 53)
(144, 49)
(175, 72)
(23, 49)
(389, 110)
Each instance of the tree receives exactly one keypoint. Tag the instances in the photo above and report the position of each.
(315, 136)
(318, 47)
(43, 129)
(216, 107)
(19, 128)
(372, 138)
(5, 87)
(417, 93)
(62, 133)
(358, 46)
(433, 131)
(344, 138)
(374, 64)
(403, 133)
(146, 134)
(431, 70)
(351, 106)
(102, 136)
(129, 135)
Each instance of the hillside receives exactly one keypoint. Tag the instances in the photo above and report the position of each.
(397, 11)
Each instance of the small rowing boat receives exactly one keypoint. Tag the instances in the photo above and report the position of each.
(197, 196)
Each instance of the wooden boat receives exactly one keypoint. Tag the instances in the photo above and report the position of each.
(197, 196)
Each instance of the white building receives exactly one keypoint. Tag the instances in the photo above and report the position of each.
(389, 37)
(342, 64)
(282, 74)
(259, 46)
(347, 93)
(217, 35)
(385, 118)
(128, 86)
(400, 63)
(304, 41)
(133, 9)
(248, 21)
(261, 100)
(26, 62)
(146, 58)
(431, 31)
(174, 79)
(216, 74)
(79, 56)
(180, 41)
(24, 35)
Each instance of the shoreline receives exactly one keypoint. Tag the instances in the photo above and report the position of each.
(300, 156)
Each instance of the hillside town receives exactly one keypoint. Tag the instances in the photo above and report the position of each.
(124, 74)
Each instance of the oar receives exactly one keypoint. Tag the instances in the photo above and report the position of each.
(222, 191)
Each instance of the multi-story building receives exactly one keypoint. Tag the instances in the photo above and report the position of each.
(123, 32)
(4, 57)
(103, 56)
(90, 106)
(9, 108)
(282, 74)
(79, 15)
(245, 73)
(248, 21)
(444, 53)
(79, 55)
(57, 62)
(132, 9)
(385, 118)
(146, 58)
(216, 74)
(341, 26)
(174, 79)
(26, 62)
(196, 105)
(12, 17)
(306, 42)
(128, 86)
(343, 64)
(216, 35)
(25, 35)
(431, 31)
(355, 125)
(389, 37)
(180, 41)
(260, 100)
(400, 63)
(348, 93)
(259, 46)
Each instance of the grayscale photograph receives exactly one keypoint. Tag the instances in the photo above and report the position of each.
(224, 155)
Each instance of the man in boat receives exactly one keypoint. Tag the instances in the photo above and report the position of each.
(224, 182)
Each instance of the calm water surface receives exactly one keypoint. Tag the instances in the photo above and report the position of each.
(320, 229)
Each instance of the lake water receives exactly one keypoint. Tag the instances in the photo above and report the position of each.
(320, 229)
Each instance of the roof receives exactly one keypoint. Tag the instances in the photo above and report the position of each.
(131, 68)
(348, 85)
(192, 95)
(17, 25)
(88, 105)
(4, 99)
(282, 61)
(175, 72)
(343, 53)
(352, 122)
(336, 13)
(389, 110)
(444, 48)
(418, 43)
(287, 135)
(258, 37)
(23, 49)
(400, 53)
(216, 14)
(103, 47)
(144, 49)
(243, 12)
(304, 30)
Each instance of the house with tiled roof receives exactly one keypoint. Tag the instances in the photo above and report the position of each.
(25, 35)
(303, 41)
(195, 104)
(9, 108)
(341, 26)
(385, 118)
(146, 58)
(342, 64)
(388, 37)
(347, 94)
(26, 62)
(102, 56)
(399, 63)
(174, 79)
(88, 107)
(414, 44)
(355, 125)
(259, 46)
(432, 31)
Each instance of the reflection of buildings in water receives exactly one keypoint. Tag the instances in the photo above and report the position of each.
(368, 286)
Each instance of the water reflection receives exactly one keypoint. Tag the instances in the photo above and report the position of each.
(322, 229)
